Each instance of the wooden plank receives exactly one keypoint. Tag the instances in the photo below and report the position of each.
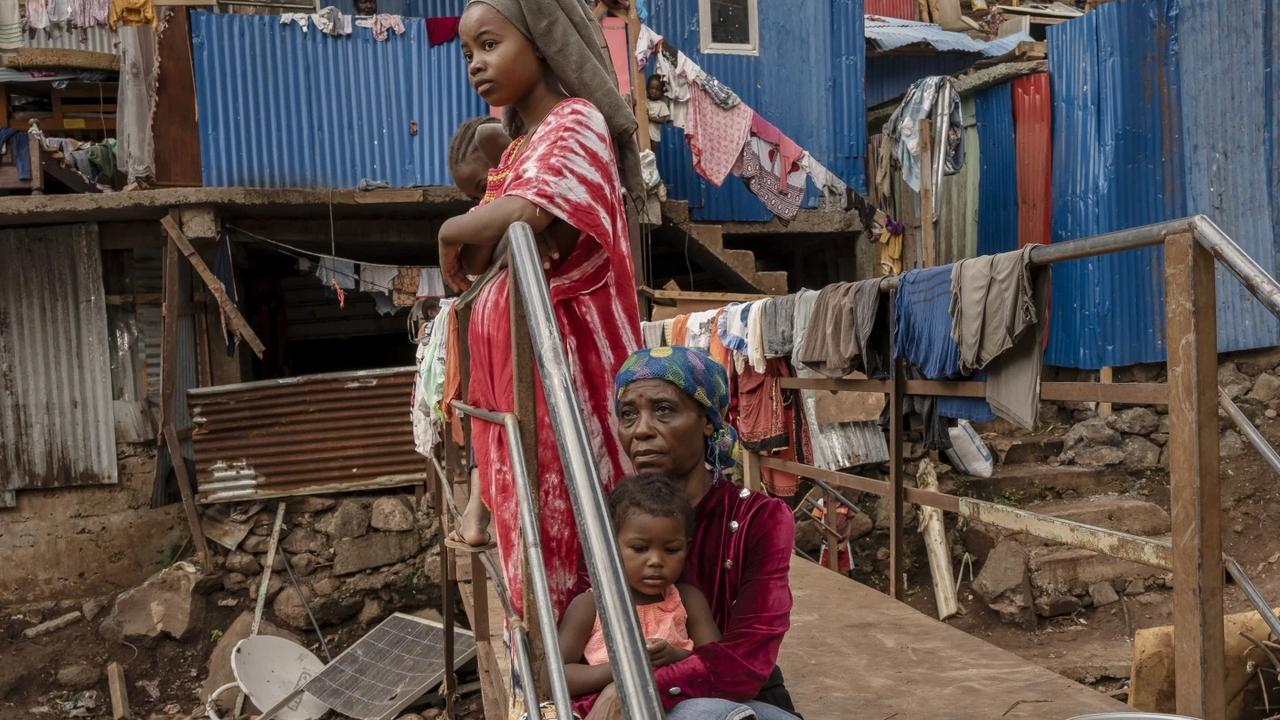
(897, 487)
(176, 127)
(265, 582)
(234, 318)
(1193, 478)
(119, 691)
(1105, 376)
(1127, 393)
(915, 496)
(45, 58)
(136, 299)
(928, 221)
(168, 392)
(935, 541)
(639, 89)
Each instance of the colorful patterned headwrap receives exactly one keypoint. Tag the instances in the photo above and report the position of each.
(702, 379)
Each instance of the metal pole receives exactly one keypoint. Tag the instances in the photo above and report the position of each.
(631, 670)
(520, 648)
(1255, 438)
(537, 571)
(941, 126)
(1237, 262)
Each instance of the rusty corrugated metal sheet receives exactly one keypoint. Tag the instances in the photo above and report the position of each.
(1033, 141)
(319, 433)
(904, 9)
(57, 426)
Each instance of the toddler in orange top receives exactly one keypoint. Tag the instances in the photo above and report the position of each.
(654, 523)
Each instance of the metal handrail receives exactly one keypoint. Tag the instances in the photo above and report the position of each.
(534, 566)
(1255, 437)
(631, 673)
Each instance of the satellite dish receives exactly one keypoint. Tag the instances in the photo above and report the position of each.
(270, 668)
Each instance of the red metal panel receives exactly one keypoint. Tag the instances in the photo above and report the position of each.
(1033, 144)
(904, 9)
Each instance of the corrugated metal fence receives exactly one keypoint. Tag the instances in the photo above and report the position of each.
(998, 186)
(283, 108)
(57, 426)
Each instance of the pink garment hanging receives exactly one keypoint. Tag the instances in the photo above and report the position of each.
(789, 153)
(716, 136)
(441, 30)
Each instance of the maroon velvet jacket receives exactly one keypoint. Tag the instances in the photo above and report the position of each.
(741, 560)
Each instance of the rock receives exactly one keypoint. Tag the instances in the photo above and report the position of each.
(410, 716)
(243, 563)
(1100, 456)
(326, 586)
(1150, 598)
(53, 625)
(166, 604)
(310, 504)
(1164, 457)
(372, 612)
(1140, 453)
(274, 585)
(1057, 605)
(1003, 584)
(1265, 389)
(350, 519)
(1102, 593)
(808, 537)
(218, 672)
(304, 564)
(255, 544)
(374, 550)
(305, 540)
(1134, 421)
(328, 610)
(393, 514)
(860, 525)
(227, 533)
(91, 607)
(1233, 381)
(1060, 569)
(1160, 438)
(1231, 444)
(79, 676)
(1113, 512)
(370, 582)
(209, 583)
(1135, 586)
(1093, 431)
(234, 582)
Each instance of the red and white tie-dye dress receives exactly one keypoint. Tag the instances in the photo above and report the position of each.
(566, 167)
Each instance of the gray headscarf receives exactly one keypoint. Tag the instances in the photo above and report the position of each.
(573, 45)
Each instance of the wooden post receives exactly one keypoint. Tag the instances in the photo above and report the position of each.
(36, 150)
(119, 691)
(831, 525)
(751, 471)
(928, 242)
(168, 404)
(263, 584)
(935, 541)
(638, 89)
(1105, 376)
(523, 392)
(897, 394)
(1193, 470)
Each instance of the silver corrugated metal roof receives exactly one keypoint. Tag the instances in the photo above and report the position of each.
(94, 39)
(886, 34)
(57, 426)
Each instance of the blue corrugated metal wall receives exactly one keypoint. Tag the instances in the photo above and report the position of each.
(998, 183)
(1116, 164)
(889, 76)
(283, 108)
(807, 80)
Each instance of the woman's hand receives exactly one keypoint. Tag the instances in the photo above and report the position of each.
(451, 267)
(662, 653)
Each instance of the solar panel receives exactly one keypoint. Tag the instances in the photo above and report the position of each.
(389, 668)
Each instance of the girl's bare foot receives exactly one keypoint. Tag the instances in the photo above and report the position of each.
(473, 528)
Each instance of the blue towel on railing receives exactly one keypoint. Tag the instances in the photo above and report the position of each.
(923, 337)
(19, 150)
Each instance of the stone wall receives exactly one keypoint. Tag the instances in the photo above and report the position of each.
(74, 542)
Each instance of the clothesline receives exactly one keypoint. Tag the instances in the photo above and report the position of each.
(312, 253)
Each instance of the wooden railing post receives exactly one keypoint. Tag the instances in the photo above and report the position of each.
(897, 394)
(1193, 474)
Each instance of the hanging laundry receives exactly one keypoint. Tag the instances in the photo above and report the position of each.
(430, 283)
(646, 43)
(996, 312)
(60, 11)
(331, 21)
(700, 327)
(302, 20)
(378, 278)
(778, 319)
(38, 14)
(755, 336)
(429, 388)
(129, 12)
(382, 24)
(342, 294)
(665, 64)
(17, 145)
(404, 289)
(337, 272)
(90, 13)
(827, 182)
(848, 313)
(923, 337)
(903, 128)
(731, 326)
(716, 349)
(890, 240)
(722, 95)
(679, 330)
(136, 96)
(789, 153)
(224, 270)
(715, 135)
(668, 326)
(11, 35)
(763, 415)
(452, 377)
(441, 30)
(764, 185)
(651, 334)
(102, 157)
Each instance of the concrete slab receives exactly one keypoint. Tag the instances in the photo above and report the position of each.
(854, 652)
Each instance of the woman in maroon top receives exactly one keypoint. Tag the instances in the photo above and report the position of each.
(670, 403)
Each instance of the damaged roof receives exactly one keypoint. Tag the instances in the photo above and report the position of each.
(885, 34)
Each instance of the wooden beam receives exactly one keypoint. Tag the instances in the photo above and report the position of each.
(237, 322)
(44, 58)
(1191, 337)
(1105, 376)
(119, 691)
(168, 404)
(915, 496)
(1127, 393)
(897, 487)
(928, 255)
(934, 532)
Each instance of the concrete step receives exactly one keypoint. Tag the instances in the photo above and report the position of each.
(1033, 481)
(1018, 450)
(738, 267)
(1112, 512)
(1070, 571)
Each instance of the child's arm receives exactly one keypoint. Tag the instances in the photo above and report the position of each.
(575, 630)
(702, 626)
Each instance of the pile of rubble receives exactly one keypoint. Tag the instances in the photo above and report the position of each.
(353, 557)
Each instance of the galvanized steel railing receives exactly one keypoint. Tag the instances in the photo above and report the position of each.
(531, 303)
